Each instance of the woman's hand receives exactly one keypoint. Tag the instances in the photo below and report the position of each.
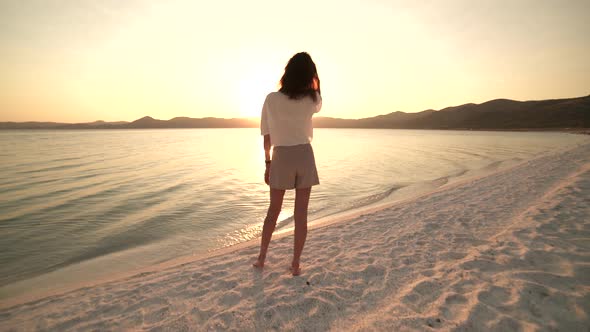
(266, 174)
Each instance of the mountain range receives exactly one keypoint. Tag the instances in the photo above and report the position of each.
(495, 114)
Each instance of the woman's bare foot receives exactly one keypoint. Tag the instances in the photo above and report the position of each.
(259, 263)
(295, 270)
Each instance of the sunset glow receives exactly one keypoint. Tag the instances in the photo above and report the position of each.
(80, 61)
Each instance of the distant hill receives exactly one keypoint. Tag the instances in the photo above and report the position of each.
(57, 125)
(185, 122)
(495, 114)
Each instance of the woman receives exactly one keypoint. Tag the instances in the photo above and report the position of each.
(286, 125)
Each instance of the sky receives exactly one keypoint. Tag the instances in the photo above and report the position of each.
(112, 60)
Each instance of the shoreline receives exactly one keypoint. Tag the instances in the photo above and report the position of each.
(489, 252)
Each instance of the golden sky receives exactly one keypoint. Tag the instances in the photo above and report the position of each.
(86, 60)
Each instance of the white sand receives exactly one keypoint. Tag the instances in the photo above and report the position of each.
(506, 252)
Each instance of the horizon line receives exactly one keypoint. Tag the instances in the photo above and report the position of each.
(257, 117)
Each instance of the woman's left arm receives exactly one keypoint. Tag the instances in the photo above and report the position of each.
(267, 146)
(267, 159)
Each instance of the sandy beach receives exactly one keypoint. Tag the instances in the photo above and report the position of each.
(507, 252)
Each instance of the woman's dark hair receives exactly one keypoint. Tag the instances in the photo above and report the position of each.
(300, 78)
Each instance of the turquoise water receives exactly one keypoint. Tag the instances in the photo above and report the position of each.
(89, 203)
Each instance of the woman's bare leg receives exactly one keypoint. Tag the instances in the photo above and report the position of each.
(301, 204)
(274, 209)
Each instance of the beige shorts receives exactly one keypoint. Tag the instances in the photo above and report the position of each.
(293, 167)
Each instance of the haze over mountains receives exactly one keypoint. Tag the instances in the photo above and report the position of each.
(494, 114)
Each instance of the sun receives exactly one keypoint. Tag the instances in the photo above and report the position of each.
(255, 83)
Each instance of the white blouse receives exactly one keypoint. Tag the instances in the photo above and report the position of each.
(288, 121)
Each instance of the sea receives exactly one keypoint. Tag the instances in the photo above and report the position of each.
(80, 205)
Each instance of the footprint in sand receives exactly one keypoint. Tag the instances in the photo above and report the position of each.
(496, 296)
(453, 307)
(422, 295)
